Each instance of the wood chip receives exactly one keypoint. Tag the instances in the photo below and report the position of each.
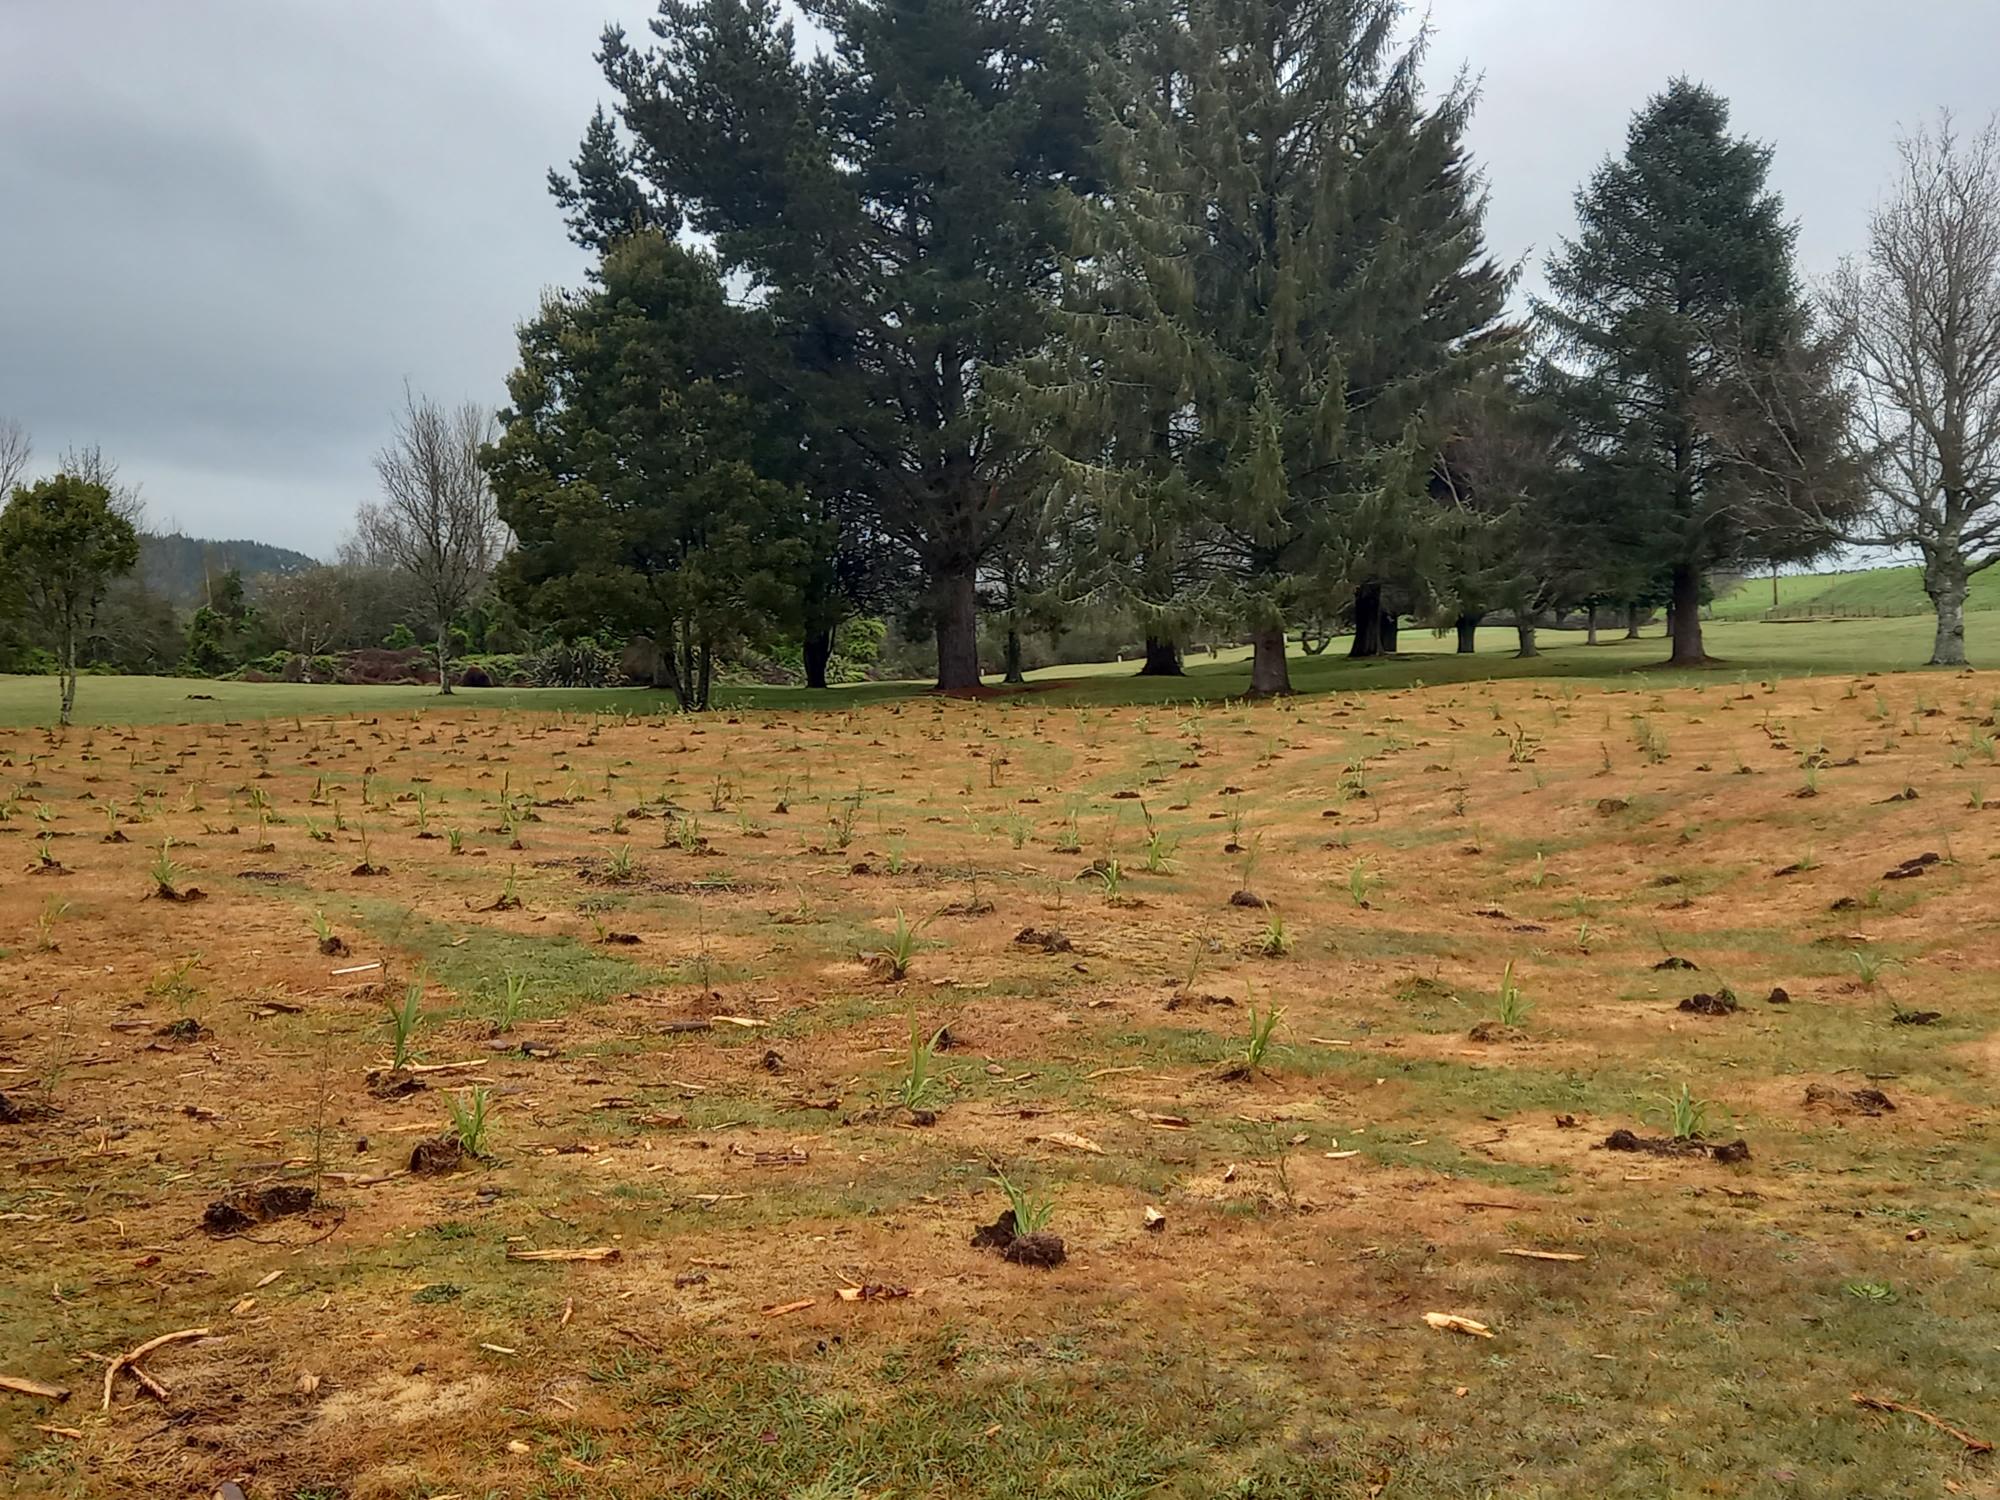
(498, 1349)
(1071, 1140)
(27, 1387)
(747, 1022)
(789, 1307)
(596, 1252)
(1453, 1323)
(1544, 1254)
(1113, 1072)
(1162, 1122)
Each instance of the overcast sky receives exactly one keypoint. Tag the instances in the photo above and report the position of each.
(230, 229)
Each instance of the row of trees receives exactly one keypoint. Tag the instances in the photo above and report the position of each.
(1048, 305)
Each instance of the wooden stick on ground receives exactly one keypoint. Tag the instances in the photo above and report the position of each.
(1882, 1403)
(111, 1370)
(28, 1387)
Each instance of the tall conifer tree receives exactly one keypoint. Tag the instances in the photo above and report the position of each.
(1281, 281)
(1674, 306)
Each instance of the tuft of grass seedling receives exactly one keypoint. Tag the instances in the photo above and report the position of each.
(511, 1003)
(1868, 967)
(1687, 1116)
(1031, 1213)
(471, 1115)
(166, 872)
(620, 866)
(919, 1084)
(896, 956)
(404, 1019)
(53, 911)
(1276, 942)
(1513, 1007)
(1258, 1046)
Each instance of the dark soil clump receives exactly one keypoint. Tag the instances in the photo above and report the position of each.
(1042, 1250)
(1050, 941)
(250, 1207)
(437, 1155)
(1657, 1145)
(1722, 1003)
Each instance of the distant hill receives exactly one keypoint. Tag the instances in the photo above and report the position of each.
(1865, 591)
(180, 566)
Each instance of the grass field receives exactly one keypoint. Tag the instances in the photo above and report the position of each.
(1745, 646)
(1865, 591)
(1306, 1021)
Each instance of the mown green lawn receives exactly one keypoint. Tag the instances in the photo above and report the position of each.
(1760, 649)
(1877, 591)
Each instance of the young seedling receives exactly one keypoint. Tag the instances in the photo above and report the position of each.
(894, 958)
(166, 872)
(1687, 1116)
(510, 1004)
(1259, 1044)
(1276, 942)
(471, 1116)
(1513, 1007)
(404, 1020)
(1031, 1213)
(918, 1084)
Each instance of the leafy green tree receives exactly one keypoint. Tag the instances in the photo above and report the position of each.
(890, 201)
(1267, 307)
(1676, 310)
(625, 467)
(61, 544)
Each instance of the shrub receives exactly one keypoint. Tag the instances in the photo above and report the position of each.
(574, 664)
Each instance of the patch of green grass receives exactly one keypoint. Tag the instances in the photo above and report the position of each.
(466, 959)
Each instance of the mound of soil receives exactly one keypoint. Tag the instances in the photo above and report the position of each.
(1496, 1031)
(249, 1207)
(1248, 898)
(1916, 1017)
(168, 893)
(391, 1084)
(1042, 1250)
(186, 1029)
(1050, 941)
(10, 1112)
(621, 939)
(437, 1156)
(1869, 1102)
(995, 1236)
(1659, 1145)
(334, 946)
(1671, 962)
(1722, 1003)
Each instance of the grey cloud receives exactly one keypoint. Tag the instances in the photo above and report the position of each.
(230, 229)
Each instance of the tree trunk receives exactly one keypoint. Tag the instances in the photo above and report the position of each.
(66, 664)
(1631, 622)
(1392, 623)
(1270, 672)
(1590, 625)
(1524, 633)
(818, 652)
(444, 656)
(1946, 581)
(1686, 622)
(1014, 672)
(1163, 658)
(707, 670)
(957, 620)
(1468, 634)
(1367, 621)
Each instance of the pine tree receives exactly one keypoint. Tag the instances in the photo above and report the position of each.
(1282, 279)
(890, 204)
(1676, 302)
(628, 469)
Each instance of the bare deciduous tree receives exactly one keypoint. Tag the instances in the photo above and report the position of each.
(310, 608)
(16, 451)
(91, 466)
(436, 522)
(1920, 313)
